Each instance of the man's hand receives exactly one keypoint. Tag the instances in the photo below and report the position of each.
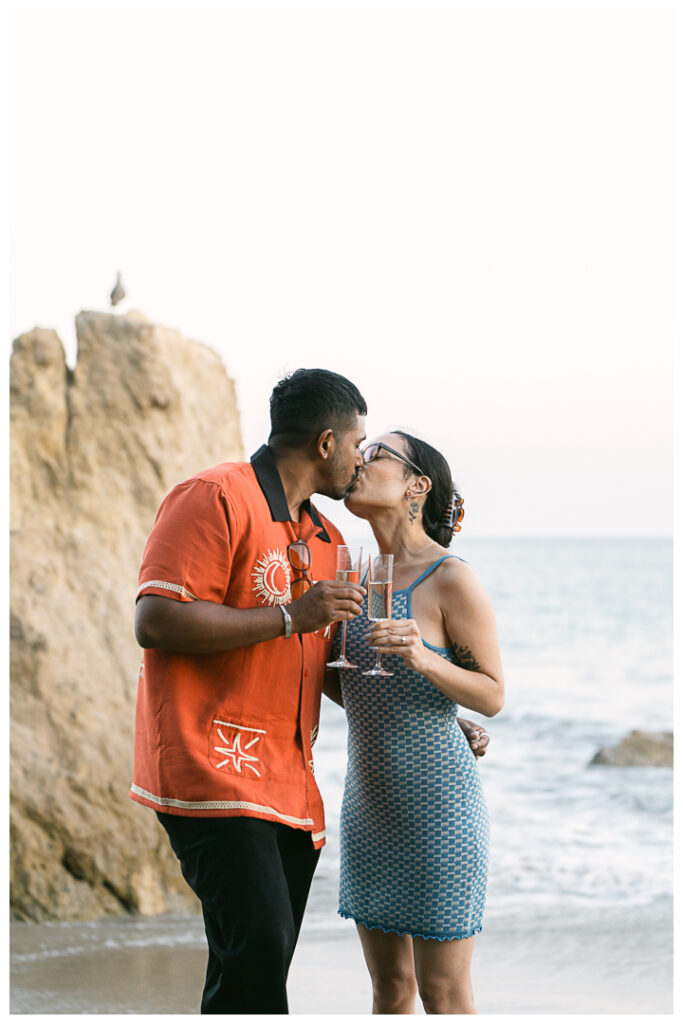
(476, 736)
(326, 602)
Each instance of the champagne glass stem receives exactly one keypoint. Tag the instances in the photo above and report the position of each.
(343, 653)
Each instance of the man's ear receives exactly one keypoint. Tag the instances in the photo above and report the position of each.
(325, 445)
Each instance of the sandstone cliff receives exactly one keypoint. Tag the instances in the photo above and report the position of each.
(93, 451)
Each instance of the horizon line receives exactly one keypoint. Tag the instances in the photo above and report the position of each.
(556, 536)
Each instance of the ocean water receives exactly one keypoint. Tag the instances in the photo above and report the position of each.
(585, 629)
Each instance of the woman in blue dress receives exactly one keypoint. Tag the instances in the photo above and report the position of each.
(414, 825)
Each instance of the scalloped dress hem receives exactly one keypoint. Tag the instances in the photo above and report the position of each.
(413, 935)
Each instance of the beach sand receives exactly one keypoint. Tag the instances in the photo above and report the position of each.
(592, 960)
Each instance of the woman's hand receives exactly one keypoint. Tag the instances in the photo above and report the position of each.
(401, 636)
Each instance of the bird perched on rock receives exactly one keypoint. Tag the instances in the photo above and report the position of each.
(118, 292)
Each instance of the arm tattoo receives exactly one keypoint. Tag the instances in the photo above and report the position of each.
(465, 659)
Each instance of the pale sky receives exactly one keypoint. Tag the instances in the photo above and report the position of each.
(465, 209)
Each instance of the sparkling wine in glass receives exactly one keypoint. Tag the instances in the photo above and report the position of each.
(348, 571)
(379, 587)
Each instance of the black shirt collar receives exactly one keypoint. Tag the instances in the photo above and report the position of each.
(265, 468)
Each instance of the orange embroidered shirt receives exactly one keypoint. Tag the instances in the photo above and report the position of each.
(232, 733)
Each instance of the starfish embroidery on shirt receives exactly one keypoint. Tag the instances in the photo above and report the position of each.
(236, 754)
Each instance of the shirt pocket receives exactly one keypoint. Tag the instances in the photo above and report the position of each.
(237, 749)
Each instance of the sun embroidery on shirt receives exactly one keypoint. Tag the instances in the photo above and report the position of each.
(271, 578)
(235, 756)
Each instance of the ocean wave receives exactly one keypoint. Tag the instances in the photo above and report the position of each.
(105, 934)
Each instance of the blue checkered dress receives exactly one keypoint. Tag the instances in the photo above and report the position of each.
(414, 824)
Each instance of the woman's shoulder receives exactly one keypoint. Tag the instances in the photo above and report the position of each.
(453, 567)
(457, 580)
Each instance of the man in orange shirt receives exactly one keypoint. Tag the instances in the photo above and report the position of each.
(236, 636)
(235, 631)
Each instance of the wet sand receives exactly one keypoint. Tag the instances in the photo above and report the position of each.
(592, 960)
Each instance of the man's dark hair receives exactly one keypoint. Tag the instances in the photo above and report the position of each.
(307, 402)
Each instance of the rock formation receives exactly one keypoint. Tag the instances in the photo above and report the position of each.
(93, 451)
(639, 748)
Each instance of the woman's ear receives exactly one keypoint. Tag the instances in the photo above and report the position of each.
(423, 485)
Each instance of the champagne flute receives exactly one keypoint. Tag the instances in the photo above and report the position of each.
(348, 571)
(380, 585)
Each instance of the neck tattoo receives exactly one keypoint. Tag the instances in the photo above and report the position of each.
(413, 509)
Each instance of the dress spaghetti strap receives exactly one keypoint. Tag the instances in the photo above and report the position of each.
(429, 571)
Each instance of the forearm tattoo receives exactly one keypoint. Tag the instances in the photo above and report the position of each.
(465, 659)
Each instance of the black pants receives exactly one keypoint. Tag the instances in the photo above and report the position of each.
(252, 878)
